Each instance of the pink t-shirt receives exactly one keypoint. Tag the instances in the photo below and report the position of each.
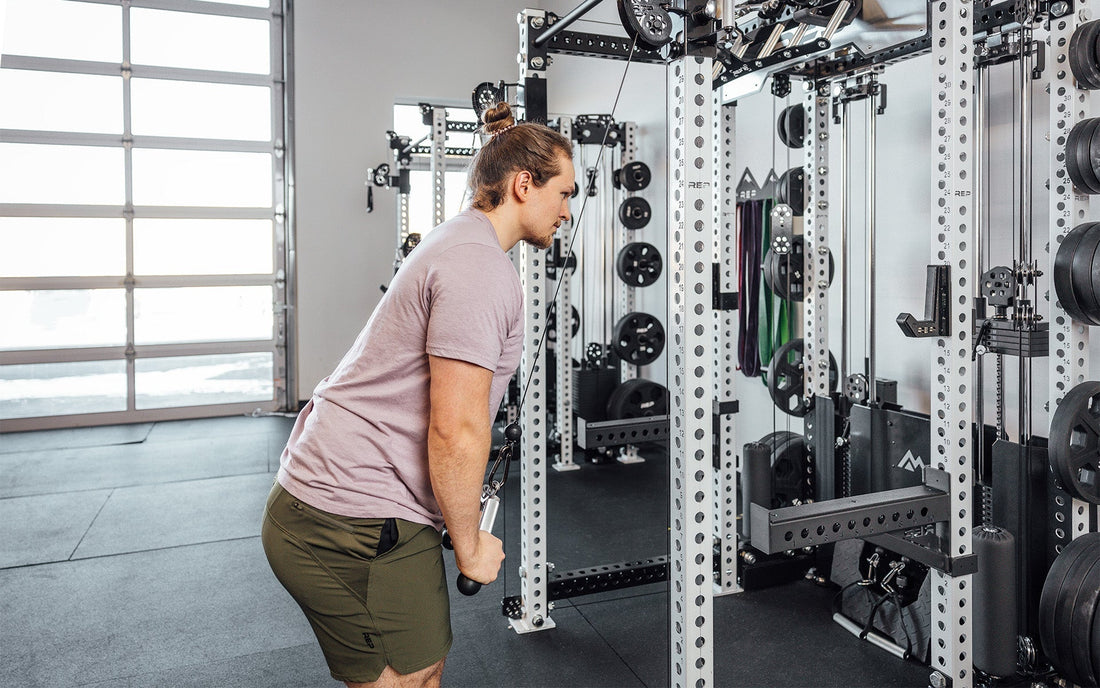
(360, 446)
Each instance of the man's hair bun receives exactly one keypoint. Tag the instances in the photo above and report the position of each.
(497, 117)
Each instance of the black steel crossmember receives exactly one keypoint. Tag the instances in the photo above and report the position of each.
(599, 45)
(862, 516)
(614, 433)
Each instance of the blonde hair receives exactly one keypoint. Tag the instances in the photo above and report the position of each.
(513, 147)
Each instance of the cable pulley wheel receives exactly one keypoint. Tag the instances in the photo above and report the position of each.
(635, 212)
(647, 23)
(485, 95)
(633, 176)
(552, 324)
(787, 375)
(791, 126)
(639, 264)
(639, 338)
(1075, 274)
(637, 398)
(1068, 596)
(791, 190)
(381, 175)
(1084, 55)
(1074, 444)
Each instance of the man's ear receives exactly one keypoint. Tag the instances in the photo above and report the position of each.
(522, 184)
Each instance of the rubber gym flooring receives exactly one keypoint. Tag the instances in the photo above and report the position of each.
(130, 556)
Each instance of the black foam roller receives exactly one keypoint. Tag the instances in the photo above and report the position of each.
(756, 481)
(995, 601)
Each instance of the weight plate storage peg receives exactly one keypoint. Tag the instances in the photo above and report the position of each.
(634, 176)
(646, 22)
(634, 212)
(786, 379)
(639, 338)
(639, 264)
(637, 398)
(1074, 444)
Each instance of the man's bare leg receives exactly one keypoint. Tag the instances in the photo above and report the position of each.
(425, 678)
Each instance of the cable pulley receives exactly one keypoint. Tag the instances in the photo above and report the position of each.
(639, 264)
(635, 212)
(647, 23)
(639, 338)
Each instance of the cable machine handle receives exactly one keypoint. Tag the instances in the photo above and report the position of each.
(489, 510)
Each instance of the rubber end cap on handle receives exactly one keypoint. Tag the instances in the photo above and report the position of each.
(467, 586)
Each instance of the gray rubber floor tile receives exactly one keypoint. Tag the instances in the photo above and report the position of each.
(302, 666)
(184, 513)
(112, 618)
(71, 438)
(488, 653)
(36, 530)
(65, 470)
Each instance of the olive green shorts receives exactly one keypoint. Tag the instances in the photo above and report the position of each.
(369, 605)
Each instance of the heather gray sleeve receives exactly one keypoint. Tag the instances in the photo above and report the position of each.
(472, 304)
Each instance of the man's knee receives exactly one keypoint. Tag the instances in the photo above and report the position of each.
(428, 677)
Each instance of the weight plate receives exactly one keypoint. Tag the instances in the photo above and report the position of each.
(637, 398)
(1073, 161)
(552, 324)
(1089, 68)
(788, 470)
(634, 212)
(639, 338)
(1063, 273)
(1093, 641)
(1081, 615)
(786, 377)
(781, 127)
(1081, 51)
(796, 126)
(1052, 590)
(1074, 444)
(1063, 610)
(635, 176)
(1092, 171)
(646, 22)
(1084, 155)
(791, 190)
(639, 264)
(783, 273)
(1081, 273)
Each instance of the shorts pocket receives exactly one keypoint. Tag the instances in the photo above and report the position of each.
(318, 515)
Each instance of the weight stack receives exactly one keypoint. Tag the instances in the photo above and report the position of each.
(995, 595)
(756, 481)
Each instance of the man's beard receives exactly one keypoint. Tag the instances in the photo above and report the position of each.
(542, 242)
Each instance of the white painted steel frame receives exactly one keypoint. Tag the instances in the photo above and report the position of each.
(815, 312)
(690, 363)
(563, 351)
(725, 346)
(282, 180)
(533, 569)
(952, 242)
(439, 165)
(625, 294)
(1069, 339)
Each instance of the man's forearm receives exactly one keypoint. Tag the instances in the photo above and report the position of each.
(456, 465)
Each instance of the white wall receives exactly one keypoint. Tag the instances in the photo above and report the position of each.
(353, 59)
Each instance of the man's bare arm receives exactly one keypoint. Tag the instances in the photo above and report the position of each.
(458, 449)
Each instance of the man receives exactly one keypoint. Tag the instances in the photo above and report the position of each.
(394, 443)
